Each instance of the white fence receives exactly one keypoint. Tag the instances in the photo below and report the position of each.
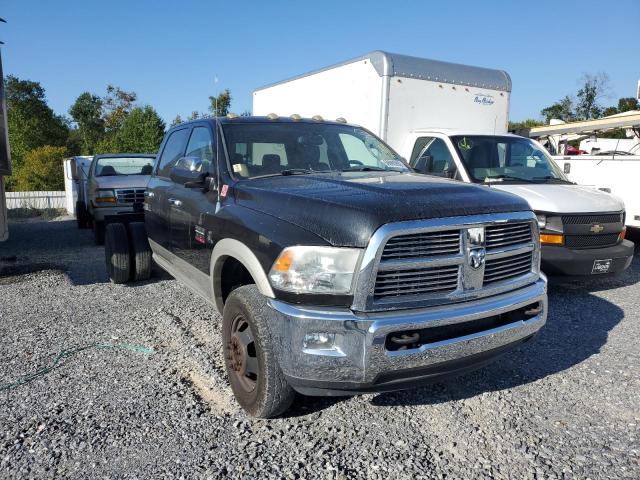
(54, 199)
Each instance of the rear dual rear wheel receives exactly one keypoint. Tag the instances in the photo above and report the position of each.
(127, 252)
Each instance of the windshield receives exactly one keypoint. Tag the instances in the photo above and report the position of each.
(263, 149)
(515, 159)
(110, 166)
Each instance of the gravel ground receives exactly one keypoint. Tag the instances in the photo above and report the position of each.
(564, 406)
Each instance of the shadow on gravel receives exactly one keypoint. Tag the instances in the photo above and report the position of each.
(577, 328)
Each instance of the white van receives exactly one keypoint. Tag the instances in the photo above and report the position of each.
(451, 120)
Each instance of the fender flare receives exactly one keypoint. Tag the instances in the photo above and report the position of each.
(229, 247)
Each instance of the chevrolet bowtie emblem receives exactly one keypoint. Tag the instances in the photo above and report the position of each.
(595, 228)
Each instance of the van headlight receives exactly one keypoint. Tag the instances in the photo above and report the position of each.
(542, 220)
(305, 269)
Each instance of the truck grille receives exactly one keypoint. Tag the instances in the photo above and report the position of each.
(434, 262)
(501, 269)
(589, 219)
(590, 241)
(422, 245)
(133, 195)
(417, 281)
(508, 234)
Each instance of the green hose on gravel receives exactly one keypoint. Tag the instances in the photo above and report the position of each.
(68, 353)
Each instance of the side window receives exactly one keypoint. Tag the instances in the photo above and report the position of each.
(173, 150)
(201, 146)
(436, 159)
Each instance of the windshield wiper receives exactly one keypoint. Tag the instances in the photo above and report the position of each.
(555, 179)
(507, 177)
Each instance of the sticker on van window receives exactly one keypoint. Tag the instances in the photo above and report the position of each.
(465, 143)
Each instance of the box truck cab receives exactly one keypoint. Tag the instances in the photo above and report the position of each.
(451, 120)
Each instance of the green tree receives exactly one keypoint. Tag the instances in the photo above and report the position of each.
(41, 169)
(87, 113)
(141, 131)
(525, 124)
(594, 89)
(176, 121)
(117, 104)
(562, 110)
(31, 122)
(220, 104)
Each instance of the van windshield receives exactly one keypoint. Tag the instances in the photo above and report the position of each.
(110, 166)
(506, 159)
(279, 148)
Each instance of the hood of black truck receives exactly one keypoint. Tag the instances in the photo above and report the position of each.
(346, 209)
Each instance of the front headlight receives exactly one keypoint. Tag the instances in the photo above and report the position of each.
(304, 269)
(542, 220)
(105, 196)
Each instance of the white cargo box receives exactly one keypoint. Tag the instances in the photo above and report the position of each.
(392, 94)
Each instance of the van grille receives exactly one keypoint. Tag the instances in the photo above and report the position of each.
(134, 195)
(499, 236)
(589, 219)
(417, 281)
(590, 241)
(422, 245)
(504, 268)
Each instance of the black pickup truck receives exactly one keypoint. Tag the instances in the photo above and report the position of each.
(337, 269)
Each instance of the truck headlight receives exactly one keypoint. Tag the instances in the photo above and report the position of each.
(105, 196)
(542, 220)
(305, 269)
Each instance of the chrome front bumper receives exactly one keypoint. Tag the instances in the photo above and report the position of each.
(360, 360)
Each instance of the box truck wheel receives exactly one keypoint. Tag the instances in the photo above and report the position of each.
(98, 232)
(140, 251)
(252, 367)
(81, 215)
(116, 253)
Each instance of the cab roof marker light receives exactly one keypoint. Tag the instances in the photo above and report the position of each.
(341, 120)
(295, 117)
(232, 115)
(317, 118)
(273, 116)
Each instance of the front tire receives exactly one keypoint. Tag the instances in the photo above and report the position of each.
(252, 367)
(116, 253)
(81, 214)
(98, 232)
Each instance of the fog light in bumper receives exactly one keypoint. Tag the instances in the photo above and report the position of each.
(321, 344)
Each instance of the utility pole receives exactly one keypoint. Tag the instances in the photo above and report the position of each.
(5, 154)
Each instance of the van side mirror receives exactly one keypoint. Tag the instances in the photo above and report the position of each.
(74, 169)
(422, 163)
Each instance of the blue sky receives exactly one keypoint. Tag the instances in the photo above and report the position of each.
(170, 52)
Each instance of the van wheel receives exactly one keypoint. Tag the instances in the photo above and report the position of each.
(98, 232)
(116, 253)
(254, 374)
(81, 215)
(140, 252)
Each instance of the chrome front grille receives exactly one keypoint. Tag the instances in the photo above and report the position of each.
(132, 195)
(433, 262)
(505, 268)
(417, 281)
(508, 234)
(422, 245)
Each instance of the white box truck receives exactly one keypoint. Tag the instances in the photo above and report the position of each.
(451, 120)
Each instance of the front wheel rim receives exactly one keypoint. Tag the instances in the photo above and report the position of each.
(242, 356)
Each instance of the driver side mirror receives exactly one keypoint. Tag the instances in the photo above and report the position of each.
(188, 171)
(422, 163)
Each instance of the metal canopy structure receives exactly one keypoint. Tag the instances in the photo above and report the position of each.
(621, 120)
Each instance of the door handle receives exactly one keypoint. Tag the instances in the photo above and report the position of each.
(175, 202)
